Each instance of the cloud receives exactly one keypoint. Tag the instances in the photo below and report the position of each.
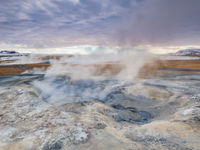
(61, 23)
(74, 1)
(56, 23)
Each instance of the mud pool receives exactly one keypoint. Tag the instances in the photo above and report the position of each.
(56, 112)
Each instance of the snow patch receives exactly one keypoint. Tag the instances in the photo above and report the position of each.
(187, 111)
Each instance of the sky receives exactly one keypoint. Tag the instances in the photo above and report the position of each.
(85, 26)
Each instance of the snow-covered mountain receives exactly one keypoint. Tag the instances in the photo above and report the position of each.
(10, 55)
(5, 52)
(188, 52)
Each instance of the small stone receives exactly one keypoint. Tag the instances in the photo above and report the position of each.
(100, 126)
(55, 145)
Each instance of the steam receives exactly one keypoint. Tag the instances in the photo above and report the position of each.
(123, 65)
(90, 77)
(160, 22)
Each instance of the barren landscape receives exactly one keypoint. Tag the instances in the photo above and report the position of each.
(157, 109)
(99, 74)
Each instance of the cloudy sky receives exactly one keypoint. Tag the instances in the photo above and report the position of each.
(76, 25)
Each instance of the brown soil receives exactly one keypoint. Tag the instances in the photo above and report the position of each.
(7, 70)
(155, 67)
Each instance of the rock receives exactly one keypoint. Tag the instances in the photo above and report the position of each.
(78, 136)
(197, 119)
(100, 126)
(196, 97)
(54, 145)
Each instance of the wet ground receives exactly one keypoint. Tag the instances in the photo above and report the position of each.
(160, 111)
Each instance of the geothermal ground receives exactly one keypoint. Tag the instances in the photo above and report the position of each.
(48, 103)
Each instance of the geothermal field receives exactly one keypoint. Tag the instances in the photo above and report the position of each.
(123, 101)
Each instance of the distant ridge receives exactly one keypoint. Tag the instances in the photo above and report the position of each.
(8, 52)
(10, 55)
(188, 52)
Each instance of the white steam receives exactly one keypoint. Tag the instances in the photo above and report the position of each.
(90, 77)
(118, 66)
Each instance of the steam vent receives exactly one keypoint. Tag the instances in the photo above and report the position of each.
(83, 105)
(99, 74)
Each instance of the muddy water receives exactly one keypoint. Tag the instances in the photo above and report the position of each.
(58, 113)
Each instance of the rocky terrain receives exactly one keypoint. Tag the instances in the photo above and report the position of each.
(158, 109)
